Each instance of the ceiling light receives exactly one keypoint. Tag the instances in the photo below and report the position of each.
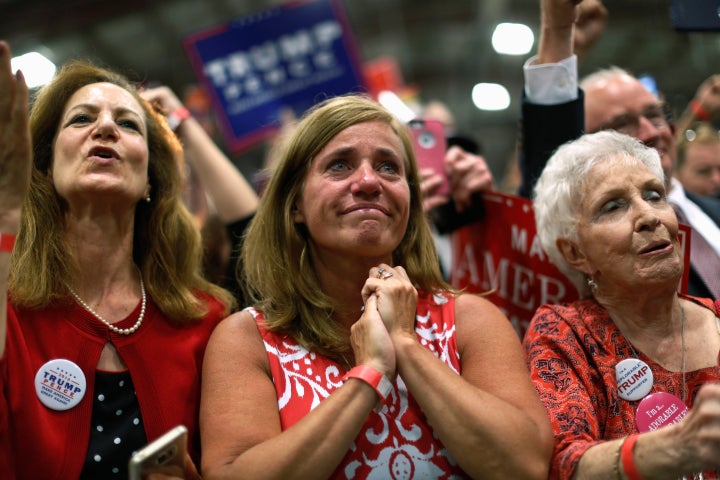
(396, 106)
(512, 39)
(36, 68)
(490, 96)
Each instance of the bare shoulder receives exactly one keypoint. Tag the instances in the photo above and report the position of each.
(237, 335)
(478, 310)
(479, 319)
(236, 323)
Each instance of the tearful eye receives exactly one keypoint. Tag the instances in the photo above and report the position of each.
(389, 167)
(337, 165)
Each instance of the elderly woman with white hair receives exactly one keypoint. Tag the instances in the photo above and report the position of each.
(626, 373)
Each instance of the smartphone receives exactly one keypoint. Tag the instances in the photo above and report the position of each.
(164, 455)
(429, 145)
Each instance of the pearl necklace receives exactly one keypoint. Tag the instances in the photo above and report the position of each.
(121, 331)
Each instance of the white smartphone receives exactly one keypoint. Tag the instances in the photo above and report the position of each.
(165, 454)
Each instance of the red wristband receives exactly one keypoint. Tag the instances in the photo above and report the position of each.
(372, 377)
(7, 242)
(699, 111)
(628, 461)
(176, 117)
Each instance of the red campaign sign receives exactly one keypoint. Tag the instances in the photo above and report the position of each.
(501, 256)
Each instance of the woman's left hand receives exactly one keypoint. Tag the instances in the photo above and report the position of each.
(396, 298)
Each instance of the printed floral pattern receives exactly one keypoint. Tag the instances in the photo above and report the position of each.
(572, 350)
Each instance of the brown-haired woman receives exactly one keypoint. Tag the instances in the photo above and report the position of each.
(357, 360)
(108, 314)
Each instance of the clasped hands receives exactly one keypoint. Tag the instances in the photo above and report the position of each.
(388, 318)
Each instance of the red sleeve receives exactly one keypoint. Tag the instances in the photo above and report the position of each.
(560, 370)
(5, 445)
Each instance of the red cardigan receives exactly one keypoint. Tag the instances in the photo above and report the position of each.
(164, 360)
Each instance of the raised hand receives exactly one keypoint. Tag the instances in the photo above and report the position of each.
(468, 174)
(15, 147)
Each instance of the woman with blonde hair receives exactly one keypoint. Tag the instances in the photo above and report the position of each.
(356, 359)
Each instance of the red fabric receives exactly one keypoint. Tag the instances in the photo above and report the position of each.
(396, 437)
(164, 360)
(7, 242)
(572, 350)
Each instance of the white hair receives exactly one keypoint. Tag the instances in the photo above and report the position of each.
(562, 185)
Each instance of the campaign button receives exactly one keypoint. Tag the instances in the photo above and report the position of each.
(634, 379)
(60, 384)
(658, 410)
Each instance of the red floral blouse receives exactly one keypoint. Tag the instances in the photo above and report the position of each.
(572, 350)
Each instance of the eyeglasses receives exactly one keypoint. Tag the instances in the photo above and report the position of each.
(659, 115)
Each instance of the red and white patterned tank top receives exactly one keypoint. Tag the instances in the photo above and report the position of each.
(396, 441)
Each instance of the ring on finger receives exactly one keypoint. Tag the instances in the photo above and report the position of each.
(387, 275)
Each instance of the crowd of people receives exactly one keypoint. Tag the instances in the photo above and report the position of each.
(323, 339)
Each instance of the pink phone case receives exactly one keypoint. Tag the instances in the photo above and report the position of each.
(430, 145)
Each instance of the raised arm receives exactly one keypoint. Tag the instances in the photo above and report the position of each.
(704, 106)
(557, 21)
(233, 196)
(15, 162)
(552, 107)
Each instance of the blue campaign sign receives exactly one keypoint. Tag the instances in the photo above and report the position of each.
(290, 56)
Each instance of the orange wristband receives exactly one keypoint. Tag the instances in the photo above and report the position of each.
(372, 377)
(7, 242)
(699, 111)
(628, 461)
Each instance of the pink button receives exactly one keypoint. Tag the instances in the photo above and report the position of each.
(659, 409)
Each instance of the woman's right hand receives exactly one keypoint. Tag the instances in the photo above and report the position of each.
(15, 147)
(698, 435)
(371, 341)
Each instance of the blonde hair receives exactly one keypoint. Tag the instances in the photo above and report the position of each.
(278, 273)
(167, 245)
